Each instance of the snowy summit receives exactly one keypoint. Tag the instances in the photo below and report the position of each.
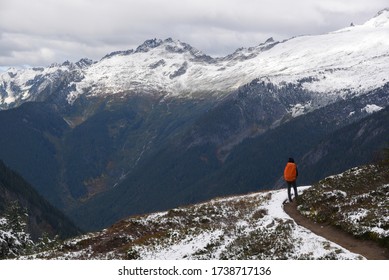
(344, 60)
(353, 60)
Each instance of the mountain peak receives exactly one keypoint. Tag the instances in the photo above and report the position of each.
(167, 43)
(381, 19)
(172, 46)
(149, 44)
(383, 11)
(84, 62)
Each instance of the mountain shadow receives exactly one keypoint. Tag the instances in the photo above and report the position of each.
(43, 218)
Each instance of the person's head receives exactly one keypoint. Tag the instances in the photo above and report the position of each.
(291, 160)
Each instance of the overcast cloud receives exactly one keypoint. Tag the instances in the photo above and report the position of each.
(40, 32)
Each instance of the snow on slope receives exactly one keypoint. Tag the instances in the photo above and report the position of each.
(352, 59)
(252, 226)
(305, 242)
(20, 85)
(16, 79)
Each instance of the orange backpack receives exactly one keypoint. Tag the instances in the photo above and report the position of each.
(290, 172)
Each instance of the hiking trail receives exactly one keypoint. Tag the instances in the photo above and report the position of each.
(367, 248)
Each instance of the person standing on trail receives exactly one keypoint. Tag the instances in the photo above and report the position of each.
(290, 176)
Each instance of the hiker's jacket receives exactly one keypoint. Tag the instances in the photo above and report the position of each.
(290, 172)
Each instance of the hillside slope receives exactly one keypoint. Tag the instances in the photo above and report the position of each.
(190, 170)
(252, 226)
(245, 227)
(43, 218)
(356, 201)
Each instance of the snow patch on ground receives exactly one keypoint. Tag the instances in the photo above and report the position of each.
(371, 108)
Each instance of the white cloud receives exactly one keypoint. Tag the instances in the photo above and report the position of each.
(40, 32)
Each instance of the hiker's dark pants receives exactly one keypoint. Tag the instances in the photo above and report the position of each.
(290, 185)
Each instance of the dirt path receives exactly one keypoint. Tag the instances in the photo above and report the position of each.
(369, 249)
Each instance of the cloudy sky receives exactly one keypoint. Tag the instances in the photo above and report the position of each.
(40, 32)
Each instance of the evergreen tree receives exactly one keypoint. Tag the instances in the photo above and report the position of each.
(16, 216)
(14, 239)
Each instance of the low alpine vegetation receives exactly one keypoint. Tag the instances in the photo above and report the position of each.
(356, 201)
(247, 227)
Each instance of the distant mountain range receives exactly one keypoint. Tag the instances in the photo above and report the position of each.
(166, 125)
(350, 61)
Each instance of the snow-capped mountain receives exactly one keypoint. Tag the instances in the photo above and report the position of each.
(352, 60)
(39, 83)
(165, 125)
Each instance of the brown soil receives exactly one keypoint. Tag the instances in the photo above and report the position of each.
(367, 248)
